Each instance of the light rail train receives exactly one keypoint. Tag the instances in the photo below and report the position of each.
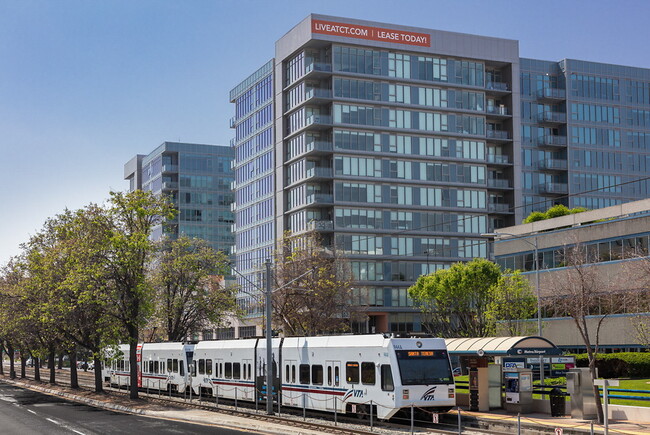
(349, 373)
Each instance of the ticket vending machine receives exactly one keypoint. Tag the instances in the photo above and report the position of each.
(519, 390)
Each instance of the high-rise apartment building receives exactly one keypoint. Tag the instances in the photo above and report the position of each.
(197, 178)
(585, 126)
(395, 143)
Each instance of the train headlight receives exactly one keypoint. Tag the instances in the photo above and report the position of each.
(405, 394)
(451, 393)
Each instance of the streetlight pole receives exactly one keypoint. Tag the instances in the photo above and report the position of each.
(269, 349)
(494, 236)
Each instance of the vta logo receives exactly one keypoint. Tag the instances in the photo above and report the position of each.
(352, 393)
(428, 396)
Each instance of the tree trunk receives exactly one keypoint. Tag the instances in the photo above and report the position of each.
(60, 366)
(599, 403)
(133, 363)
(74, 377)
(12, 367)
(51, 365)
(99, 386)
(2, 361)
(37, 369)
(23, 364)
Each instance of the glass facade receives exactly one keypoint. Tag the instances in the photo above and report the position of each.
(584, 129)
(253, 185)
(197, 178)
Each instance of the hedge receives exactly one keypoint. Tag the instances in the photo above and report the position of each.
(619, 365)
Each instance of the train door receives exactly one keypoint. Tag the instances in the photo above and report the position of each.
(218, 374)
(138, 359)
(333, 382)
(289, 395)
(247, 375)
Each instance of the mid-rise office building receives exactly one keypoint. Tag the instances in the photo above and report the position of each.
(395, 143)
(197, 178)
(585, 127)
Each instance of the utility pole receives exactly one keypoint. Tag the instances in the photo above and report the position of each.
(269, 350)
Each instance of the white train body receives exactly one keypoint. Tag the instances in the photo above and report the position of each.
(352, 373)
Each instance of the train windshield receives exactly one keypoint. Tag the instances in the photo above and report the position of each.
(424, 367)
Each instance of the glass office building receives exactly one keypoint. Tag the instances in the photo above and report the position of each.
(585, 127)
(394, 143)
(197, 178)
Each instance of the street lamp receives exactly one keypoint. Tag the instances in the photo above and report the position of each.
(496, 235)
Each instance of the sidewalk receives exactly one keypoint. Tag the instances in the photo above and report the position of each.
(211, 418)
(568, 424)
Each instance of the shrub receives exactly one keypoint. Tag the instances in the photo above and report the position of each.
(535, 216)
(619, 365)
(557, 211)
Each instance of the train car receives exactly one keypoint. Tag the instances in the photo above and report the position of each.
(355, 373)
(162, 366)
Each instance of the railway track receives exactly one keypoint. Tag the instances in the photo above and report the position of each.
(322, 422)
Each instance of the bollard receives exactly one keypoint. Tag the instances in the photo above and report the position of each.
(518, 424)
(371, 416)
(304, 412)
(170, 390)
(335, 412)
(216, 397)
(147, 387)
(190, 391)
(200, 393)
(592, 428)
(235, 398)
(159, 390)
(460, 427)
(411, 419)
(279, 397)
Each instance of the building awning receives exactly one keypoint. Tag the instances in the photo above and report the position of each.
(499, 346)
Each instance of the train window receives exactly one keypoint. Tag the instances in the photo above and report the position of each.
(329, 375)
(162, 367)
(387, 378)
(208, 367)
(368, 373)
(180, 366)
(317, 375)
(201, 366)
(228, 370)
(170, 366)
(236, 371)
(286, 373)
(352, 372)
(156, 366)
(293, 374)
(336, 376)
(304, 373)
(175, 366)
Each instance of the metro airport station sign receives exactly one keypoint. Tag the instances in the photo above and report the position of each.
(370, 33)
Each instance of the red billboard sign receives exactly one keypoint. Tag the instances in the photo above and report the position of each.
(371, 33)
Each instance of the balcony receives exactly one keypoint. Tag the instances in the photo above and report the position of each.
(552, 140)
(553, 164)
(169, 168)
(233, 121)
(554, 188)
(319, 172)
(551, 94)
(499, 208)
(497, 159)
(497, 110)
(320, 225)
(310, 148)
(320, 198)
(318, 93)
(318, 120)
(498, 134)
(170, 185)
(318, 67)
(497, 183)
(497, 86)
(550, 117)
(233, 206)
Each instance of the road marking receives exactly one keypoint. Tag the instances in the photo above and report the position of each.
(29, 410)
(76, 431)
(53, 421)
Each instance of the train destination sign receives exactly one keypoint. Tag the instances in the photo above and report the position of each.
(371, 33)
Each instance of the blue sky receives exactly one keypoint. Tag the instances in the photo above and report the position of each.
(85, 85)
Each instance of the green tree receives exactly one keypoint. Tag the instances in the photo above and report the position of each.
(133, 217)
(186, 276)
(513, 300)
(455, 301)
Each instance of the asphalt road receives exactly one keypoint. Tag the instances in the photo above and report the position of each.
(26, 412)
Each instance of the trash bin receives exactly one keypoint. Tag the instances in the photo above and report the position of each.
(558, 402)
